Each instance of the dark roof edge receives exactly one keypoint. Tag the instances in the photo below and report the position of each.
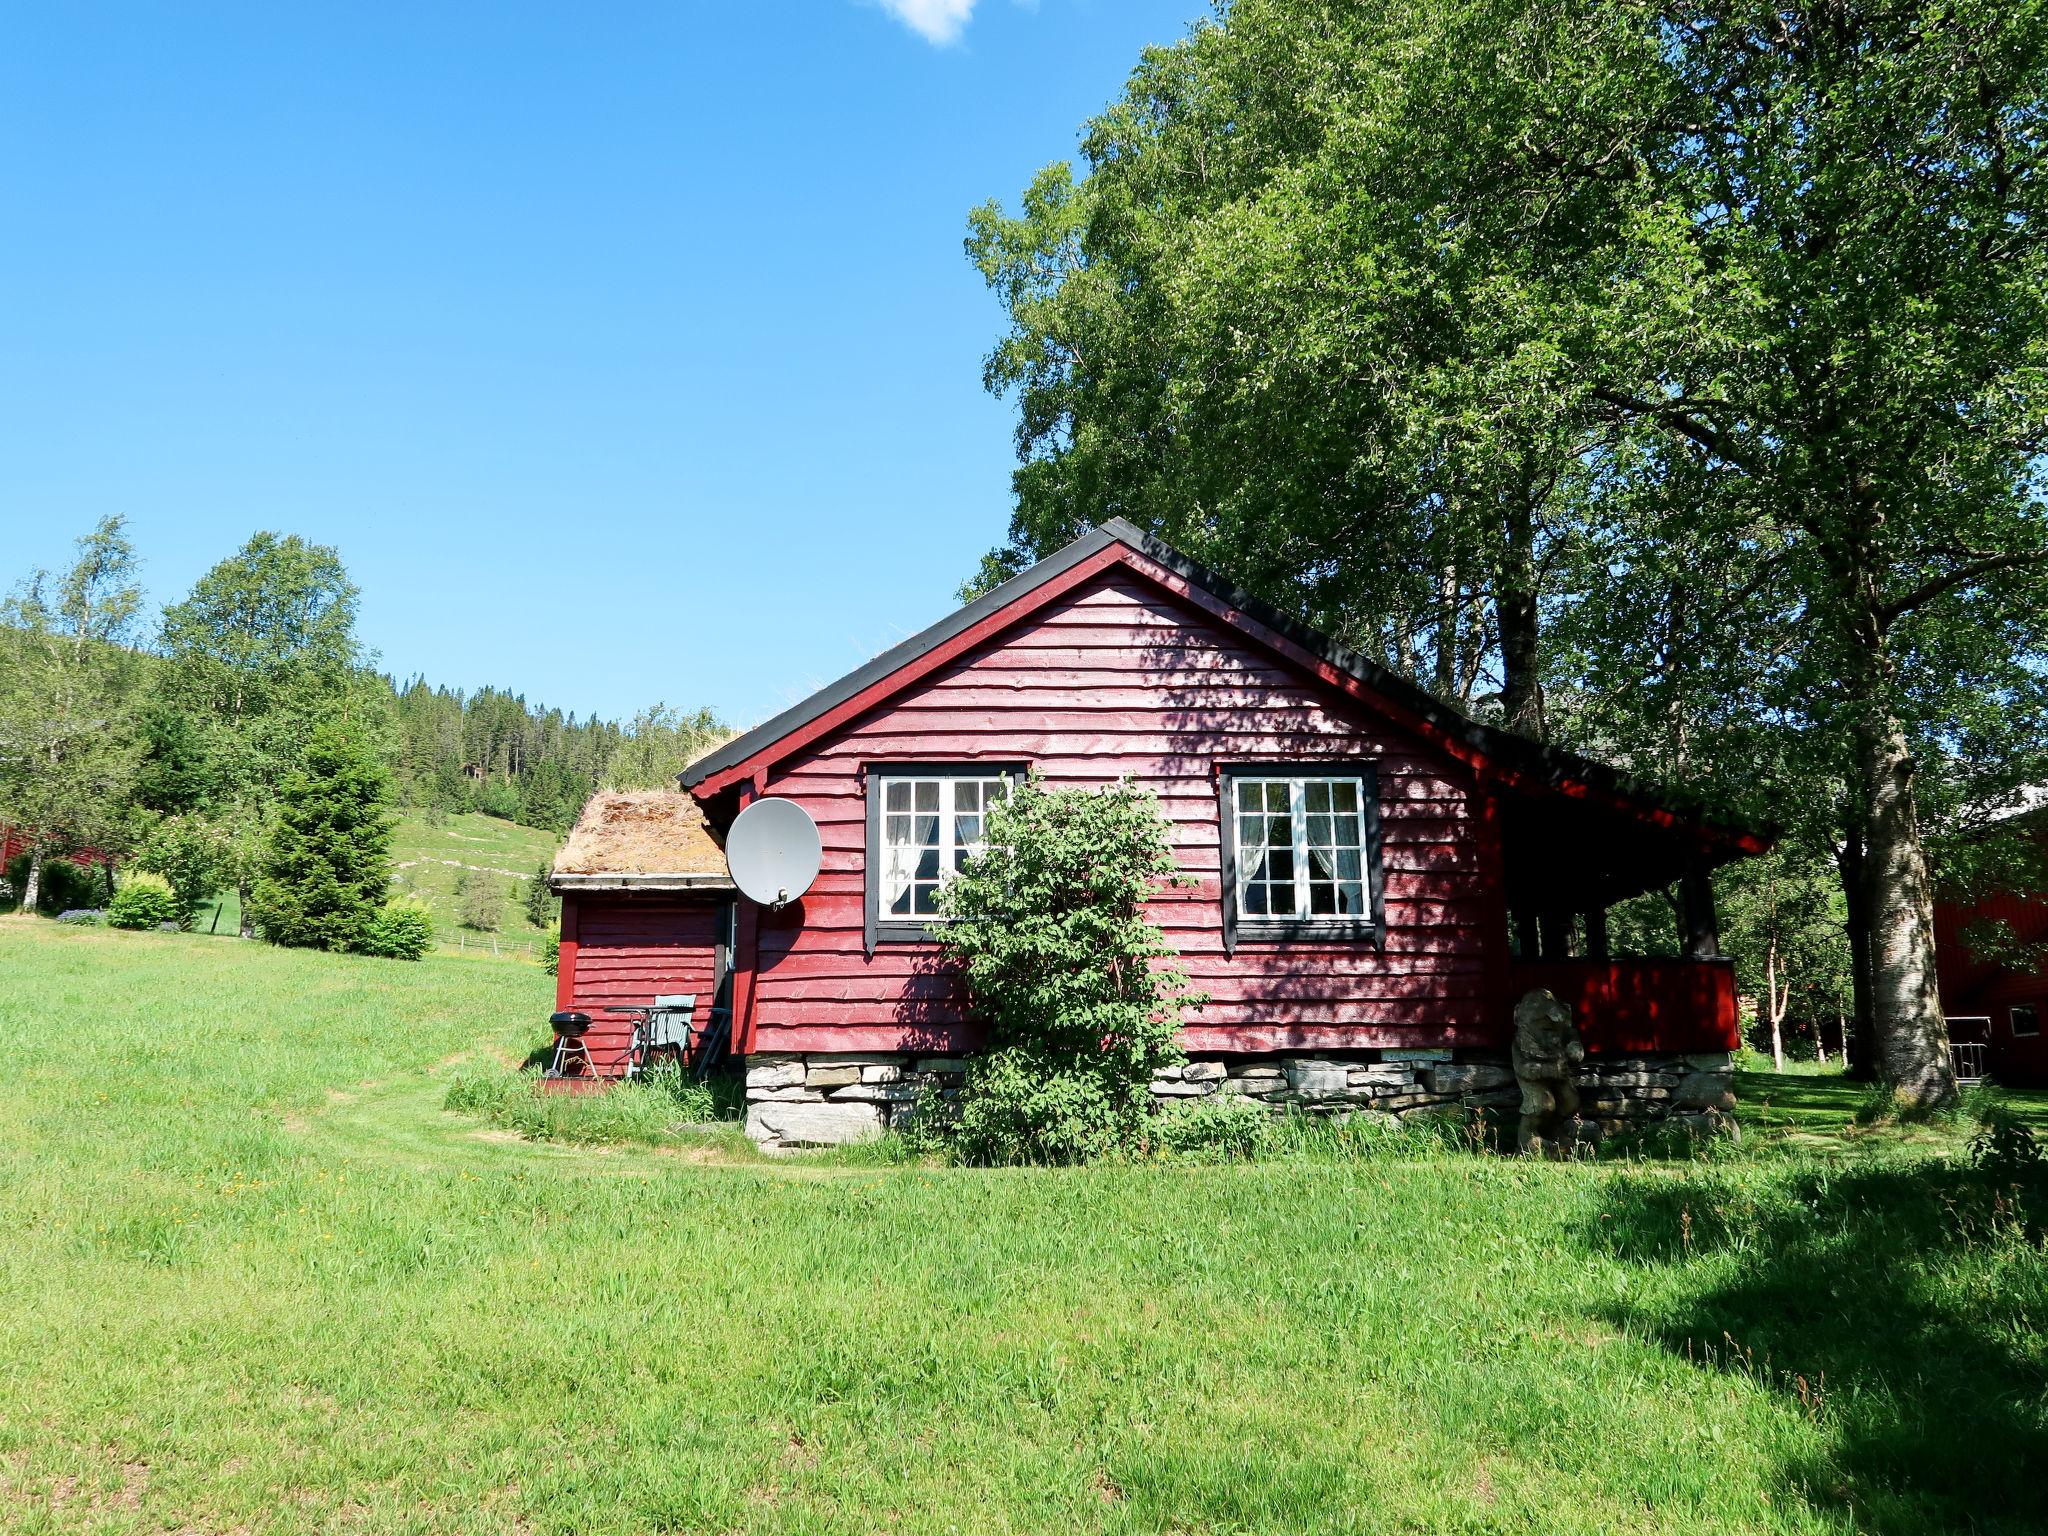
(766, 734)
(1544, 762)
(1547, 763)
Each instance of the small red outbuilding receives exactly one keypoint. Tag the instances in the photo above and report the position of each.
(647, 912)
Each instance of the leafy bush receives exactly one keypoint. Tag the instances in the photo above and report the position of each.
(2005, 1146)
(143, 901)
(404, 930)
(194, 856)
(65, 885)
(1220, 1129)
(1049, 925)
(551, 952)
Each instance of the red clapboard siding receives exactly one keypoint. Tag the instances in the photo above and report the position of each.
(630, 950)
(1117, 679)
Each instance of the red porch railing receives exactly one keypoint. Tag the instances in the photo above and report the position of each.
(1640, 1005)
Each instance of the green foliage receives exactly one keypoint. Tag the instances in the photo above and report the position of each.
(479, 899)
(538, 900)
(263, 623)
(327, 871)
(1454, 327)
(2004, 1145)
(68, 748)
(64, 885)
(403, 930)
(551, 951)
(144, 900)
(193, 855)
(490, 751)
(1221, 1128)
(1060, 964)
(176, 774)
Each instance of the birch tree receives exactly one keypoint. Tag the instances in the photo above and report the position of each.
(67, 743)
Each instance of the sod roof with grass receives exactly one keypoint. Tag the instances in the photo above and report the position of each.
(641, 840)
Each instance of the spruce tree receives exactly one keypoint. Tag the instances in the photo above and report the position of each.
(327, 871)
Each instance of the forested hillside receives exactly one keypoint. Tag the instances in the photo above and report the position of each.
(493, 752)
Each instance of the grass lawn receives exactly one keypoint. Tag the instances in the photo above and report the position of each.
(255, 1278)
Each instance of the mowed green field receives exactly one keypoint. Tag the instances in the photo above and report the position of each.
(255, 1278)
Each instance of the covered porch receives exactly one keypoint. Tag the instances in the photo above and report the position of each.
(1567, 861)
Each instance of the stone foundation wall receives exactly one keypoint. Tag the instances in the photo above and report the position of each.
(825, 1100)
(1616, 1093)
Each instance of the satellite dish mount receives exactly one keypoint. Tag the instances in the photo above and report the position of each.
(773, 851)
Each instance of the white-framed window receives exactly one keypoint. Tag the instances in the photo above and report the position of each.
(924, 824)
(1300, 846)
(2025, 1019)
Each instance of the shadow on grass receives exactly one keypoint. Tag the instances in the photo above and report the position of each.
(1899, 1307)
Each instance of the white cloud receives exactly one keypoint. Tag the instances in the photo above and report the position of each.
(938, 22)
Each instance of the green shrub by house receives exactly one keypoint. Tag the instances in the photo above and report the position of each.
(1049, 926)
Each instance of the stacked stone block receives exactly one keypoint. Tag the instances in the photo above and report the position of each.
(827, 1100)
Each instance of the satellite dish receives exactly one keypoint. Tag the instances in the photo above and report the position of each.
(773, 851)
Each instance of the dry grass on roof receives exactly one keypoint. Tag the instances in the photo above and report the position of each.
(640, 832)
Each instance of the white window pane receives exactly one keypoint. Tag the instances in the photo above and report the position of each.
(897, 795)
(927, 794)
(1317, 794)
(1344, 795)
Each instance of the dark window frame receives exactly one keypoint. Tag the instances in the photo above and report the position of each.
(1372, 927)
(2012, 1020)
(876, 928)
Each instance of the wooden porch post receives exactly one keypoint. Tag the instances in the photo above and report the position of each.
(1556, 926)
(1702, 929)
(1528, 942)
(1596, 933)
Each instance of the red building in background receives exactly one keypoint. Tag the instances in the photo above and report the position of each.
(1995, 1005)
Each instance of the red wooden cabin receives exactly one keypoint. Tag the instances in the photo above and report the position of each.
(1995, 1005)
(1378, 878)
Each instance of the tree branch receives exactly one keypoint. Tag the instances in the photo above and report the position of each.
(1985, 565)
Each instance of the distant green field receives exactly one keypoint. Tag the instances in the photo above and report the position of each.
(425, 859)
(255, 1278)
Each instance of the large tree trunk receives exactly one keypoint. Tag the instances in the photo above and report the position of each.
(32, 886)
(1911, 1036)
(1521, 689)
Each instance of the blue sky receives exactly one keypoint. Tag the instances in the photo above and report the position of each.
(627, 353)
